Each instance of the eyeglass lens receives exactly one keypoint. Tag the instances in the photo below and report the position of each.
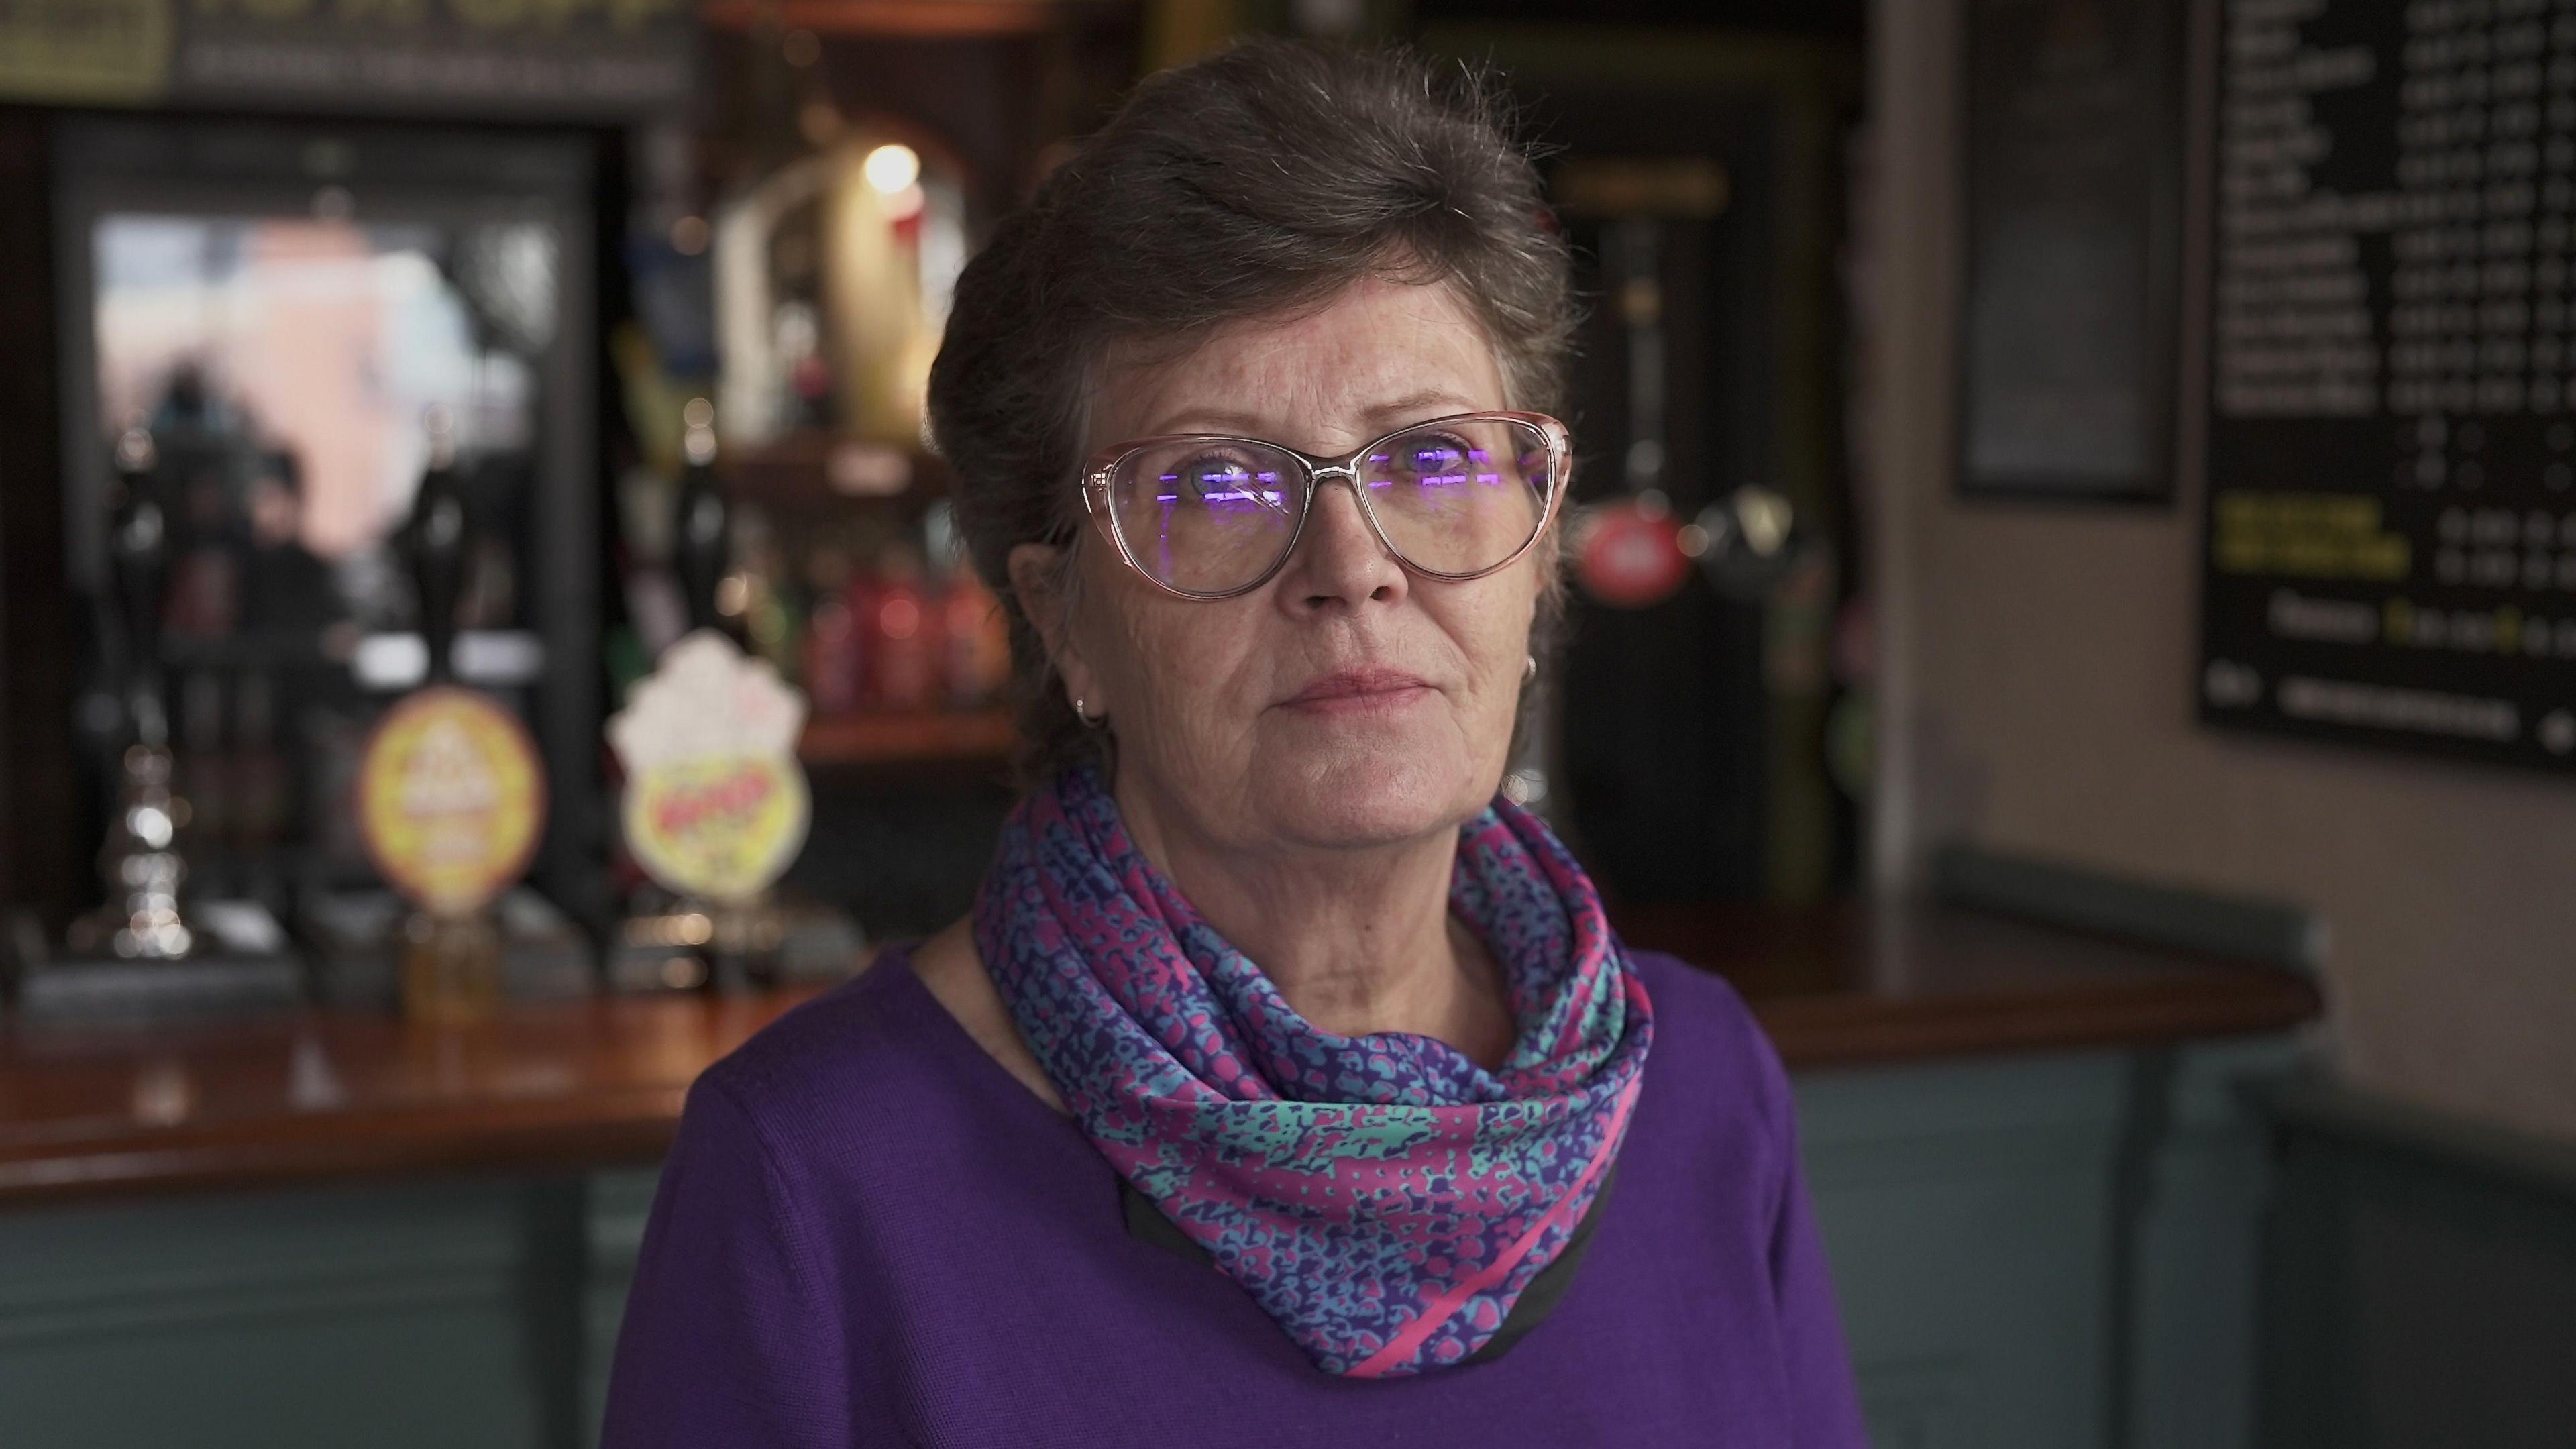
(1210, 515)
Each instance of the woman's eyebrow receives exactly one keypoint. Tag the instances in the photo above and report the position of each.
(1413, 407)
(1197, 420)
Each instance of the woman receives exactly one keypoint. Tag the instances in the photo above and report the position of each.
(1285, 1086)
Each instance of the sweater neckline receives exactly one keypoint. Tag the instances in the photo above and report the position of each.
(949, 1037)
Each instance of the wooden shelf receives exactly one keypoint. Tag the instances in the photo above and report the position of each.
(929, 19)
(810, 470)
(894, 739)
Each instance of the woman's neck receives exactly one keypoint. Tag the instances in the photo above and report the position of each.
(1358, 941)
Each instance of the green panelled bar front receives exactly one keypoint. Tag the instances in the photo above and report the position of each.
(2043, 1250)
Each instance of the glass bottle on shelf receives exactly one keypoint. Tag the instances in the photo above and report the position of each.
(833, 680)
(754, 593)
(901, 636)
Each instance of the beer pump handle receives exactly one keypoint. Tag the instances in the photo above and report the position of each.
(138, 551)
(438, 548)
(702, 531)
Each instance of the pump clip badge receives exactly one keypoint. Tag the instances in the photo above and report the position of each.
(716, 805)
(450, 799)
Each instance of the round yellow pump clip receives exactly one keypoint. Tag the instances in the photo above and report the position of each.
(450, 802)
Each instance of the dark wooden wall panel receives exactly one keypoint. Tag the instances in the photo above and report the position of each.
(40, 861)
(2419, 1280)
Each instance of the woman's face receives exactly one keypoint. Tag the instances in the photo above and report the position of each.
(1346, 702)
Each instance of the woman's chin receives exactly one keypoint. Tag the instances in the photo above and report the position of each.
(1362, 797)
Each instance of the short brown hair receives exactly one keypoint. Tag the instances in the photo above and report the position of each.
(1263, 178)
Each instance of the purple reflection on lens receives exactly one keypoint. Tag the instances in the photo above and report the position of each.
(1226, 496)
(1231, 499)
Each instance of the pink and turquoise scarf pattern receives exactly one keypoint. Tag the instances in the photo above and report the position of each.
(1383, 1198)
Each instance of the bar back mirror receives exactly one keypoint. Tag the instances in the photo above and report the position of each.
(293, 318)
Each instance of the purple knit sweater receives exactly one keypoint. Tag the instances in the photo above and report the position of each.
(869, 1233)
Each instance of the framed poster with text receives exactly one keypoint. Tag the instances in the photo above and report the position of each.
(2072, 178)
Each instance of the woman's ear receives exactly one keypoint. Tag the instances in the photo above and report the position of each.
(1038, 578)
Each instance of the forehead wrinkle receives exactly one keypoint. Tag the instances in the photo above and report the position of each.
(1311, 379)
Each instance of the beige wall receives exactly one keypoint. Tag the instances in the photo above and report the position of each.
(2038, 675)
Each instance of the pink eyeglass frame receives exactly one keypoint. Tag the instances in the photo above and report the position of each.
(1098, 473)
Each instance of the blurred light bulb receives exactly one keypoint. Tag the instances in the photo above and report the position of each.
(151, 826)
(698, 432)
(1765, 517)
(891, 167)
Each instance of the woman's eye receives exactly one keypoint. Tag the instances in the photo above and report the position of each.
(1202, 475)
(1435, 456)
(1217, 476)
(1225, 483)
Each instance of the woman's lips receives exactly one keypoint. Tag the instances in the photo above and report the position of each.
(1357, 691)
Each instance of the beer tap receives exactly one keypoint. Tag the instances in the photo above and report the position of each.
(138, 561)
(140, 864)
(151, 947)
(437, 548)
(687, 936)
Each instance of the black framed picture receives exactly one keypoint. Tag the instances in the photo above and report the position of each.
(2072, 177)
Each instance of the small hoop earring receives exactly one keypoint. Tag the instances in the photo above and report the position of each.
(1529, 671)
(1083, 713)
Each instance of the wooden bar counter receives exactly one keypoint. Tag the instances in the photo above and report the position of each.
(349, 1094)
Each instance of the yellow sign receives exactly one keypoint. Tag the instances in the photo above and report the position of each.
(602, 58)
(721, 826)
(450, 799)
(95, 51)
(2308, 535)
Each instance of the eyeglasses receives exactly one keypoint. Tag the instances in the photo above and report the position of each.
(1206, 516)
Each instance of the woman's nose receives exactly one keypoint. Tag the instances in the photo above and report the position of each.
(1339, 558)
